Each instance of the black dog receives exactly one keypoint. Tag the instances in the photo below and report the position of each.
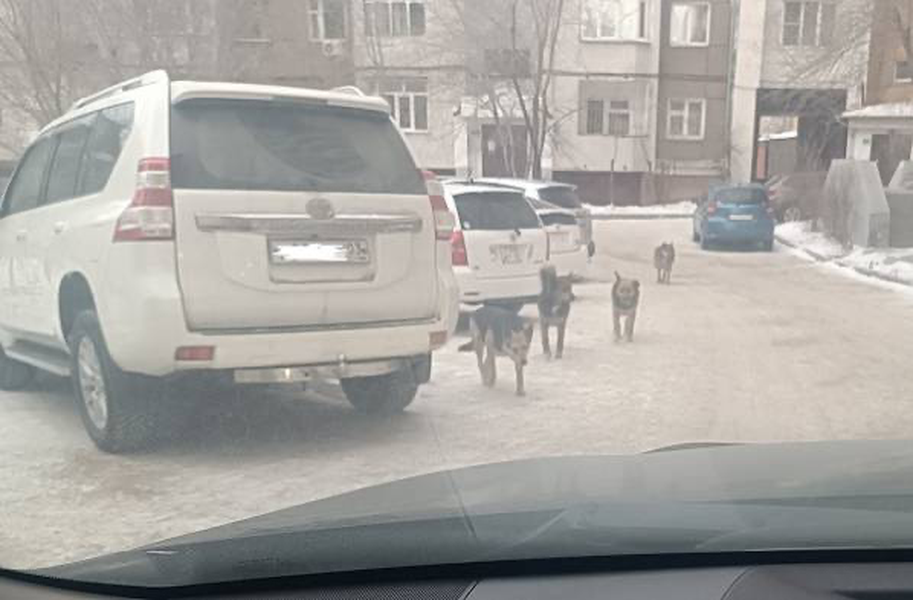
(554, 307)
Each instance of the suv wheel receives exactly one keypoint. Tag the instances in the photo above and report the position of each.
(382, 394)
(121, 412)
(14, 375)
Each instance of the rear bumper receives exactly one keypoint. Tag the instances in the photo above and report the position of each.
(571, 263)
(475, 290)
(144, 328)
(724, 230)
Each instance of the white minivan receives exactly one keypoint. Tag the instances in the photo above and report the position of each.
(161, 230)
(498, 246)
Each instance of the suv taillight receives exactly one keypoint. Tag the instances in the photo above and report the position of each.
(150, 215)
(443, 218)
(458, 254)
(711, 208)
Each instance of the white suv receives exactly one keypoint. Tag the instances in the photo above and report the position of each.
(499, 245)
(262, 234)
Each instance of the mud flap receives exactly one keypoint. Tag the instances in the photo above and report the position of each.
(421, 369)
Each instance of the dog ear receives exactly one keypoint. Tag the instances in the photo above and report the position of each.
(617, 276)
(636, 285)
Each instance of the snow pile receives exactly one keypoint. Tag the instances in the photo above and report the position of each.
(816, 243)
(681, 209)
(892, 264)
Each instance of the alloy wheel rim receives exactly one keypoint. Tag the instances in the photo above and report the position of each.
(92, 383)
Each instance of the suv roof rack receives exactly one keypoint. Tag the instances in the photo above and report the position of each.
(349, 89)
(124, 86)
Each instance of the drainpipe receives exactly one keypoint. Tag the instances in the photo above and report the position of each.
(730, 81)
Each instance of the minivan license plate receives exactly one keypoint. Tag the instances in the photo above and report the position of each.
(511, 255)
(288, 252)
(741, 217)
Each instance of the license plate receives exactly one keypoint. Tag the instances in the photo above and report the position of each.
(511, 255)
(278, 375)
(287, 252)
(741, 217)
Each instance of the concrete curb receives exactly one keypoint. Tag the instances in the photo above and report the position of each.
(838, 262)
(643, 217)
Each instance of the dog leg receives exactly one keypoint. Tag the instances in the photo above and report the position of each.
(629, 326)
(562, 326)
(491, 367)
(546, 347)
(659, 275)
(521, 388)
(617, 322)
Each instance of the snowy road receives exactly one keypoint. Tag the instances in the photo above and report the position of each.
(742, 347)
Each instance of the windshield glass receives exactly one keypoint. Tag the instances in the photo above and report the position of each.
(306, 286)
(493, 211)
(564, 197)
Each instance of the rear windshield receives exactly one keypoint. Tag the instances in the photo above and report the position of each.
(741, 196)
(562, 196)
(495, 211)
(558, 219)
(286, 146)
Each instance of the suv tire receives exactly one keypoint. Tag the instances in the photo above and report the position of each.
(14, 375)
(121, 412)
(382, 394)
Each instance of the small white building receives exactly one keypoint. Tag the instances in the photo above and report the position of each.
(882, 133)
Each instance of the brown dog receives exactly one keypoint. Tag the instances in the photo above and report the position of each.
(625, 300)
(554, 307)
(663, 259)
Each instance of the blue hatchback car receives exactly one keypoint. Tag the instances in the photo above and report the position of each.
(735, 214)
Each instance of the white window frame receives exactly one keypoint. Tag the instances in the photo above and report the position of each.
(821, 4)
(318, 33)
(685, 114)
(404, 95)
(372, 32)
(626, 112)
(619, 35)
(688, 43)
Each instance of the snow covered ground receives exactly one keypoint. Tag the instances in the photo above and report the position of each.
(681, 209)
(886, 263)
(743, 346)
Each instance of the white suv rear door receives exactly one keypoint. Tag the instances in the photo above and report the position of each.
(295, 212)
(502, 233)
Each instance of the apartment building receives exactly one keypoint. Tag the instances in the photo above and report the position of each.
(287, 42)
(808, 61)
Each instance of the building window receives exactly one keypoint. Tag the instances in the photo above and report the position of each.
(690, 24)
(903, 71)
(394, 19)
(504, 62)
(686, 119)
(408, 100)
(595, 117)
(808, 23)
(619, 118)
(327, 19)
(613, 20)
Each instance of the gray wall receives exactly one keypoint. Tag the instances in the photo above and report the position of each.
(699, 72)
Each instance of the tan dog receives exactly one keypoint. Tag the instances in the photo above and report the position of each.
(625, 300)
(663, 259)
(499, 332)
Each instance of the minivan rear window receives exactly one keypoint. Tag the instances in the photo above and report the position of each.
(495, 211)
(288, 146)
(560, 195)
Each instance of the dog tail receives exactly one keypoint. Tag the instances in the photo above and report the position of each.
(467, 347)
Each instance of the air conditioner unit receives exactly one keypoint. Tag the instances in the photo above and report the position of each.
(332, 48)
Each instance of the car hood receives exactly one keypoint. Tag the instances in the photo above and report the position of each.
(684, 500)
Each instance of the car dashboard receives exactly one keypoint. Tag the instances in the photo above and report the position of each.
(866, 581)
